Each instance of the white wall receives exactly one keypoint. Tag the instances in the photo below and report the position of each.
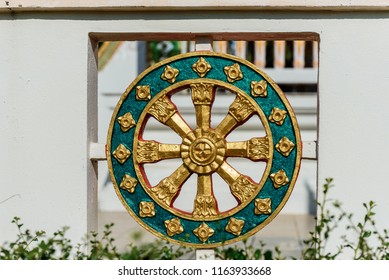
(44, 101)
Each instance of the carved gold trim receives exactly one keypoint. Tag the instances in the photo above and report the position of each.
(235, 226)
(203, 232)
(173, 226)
(121, 153)
(262, 206)
(233, 73)
(259, 89)
(128, 183)
(201, 67)
(279, 178)
(277, 116)
(126, 122)
(170, 74)
(146, 209)
(285, 146)
(143, 93)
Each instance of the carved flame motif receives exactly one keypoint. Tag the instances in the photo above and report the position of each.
(258, 148)
(165, 191)
(205, 206)
(243, 188)
(147, 151)
(241, 109)
(162, 109)
(202, 93)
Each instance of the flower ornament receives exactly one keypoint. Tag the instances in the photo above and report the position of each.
(233, 73)
(285, 146)
(170, 74)
(277, 116)
(235, 226)
(146, 209)
(143, 93)
(121, 153)
(173, 226)
(126, 122)
(279, 178)
(201, 67)
(128, 183)
(259, 89)
(262, 206)
(203, 232)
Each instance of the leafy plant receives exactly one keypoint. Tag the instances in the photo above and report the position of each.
(362, 239)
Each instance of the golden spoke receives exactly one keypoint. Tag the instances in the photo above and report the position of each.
(203, 96)
(240, 110)
(256, 149)
(205, 204)
(241, 186)
(166, 112)
(168, 188)
(152, 151)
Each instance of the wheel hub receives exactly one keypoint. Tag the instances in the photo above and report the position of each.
(203, 151)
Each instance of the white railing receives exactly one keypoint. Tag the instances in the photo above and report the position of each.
(300, 71)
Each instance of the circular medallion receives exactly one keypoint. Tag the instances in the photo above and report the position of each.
(204, 149)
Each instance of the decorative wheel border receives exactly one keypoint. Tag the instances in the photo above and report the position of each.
(123, 142)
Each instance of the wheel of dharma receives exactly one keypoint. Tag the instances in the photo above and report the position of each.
(203, 149)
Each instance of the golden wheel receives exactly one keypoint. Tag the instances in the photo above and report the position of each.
(204, 149)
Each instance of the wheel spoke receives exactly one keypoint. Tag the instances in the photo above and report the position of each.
(241, 186)
(166, 112)
(168, 189)
(205, 204)
(203, 96)
(153, 151)
(239, 112)
(256, 149)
